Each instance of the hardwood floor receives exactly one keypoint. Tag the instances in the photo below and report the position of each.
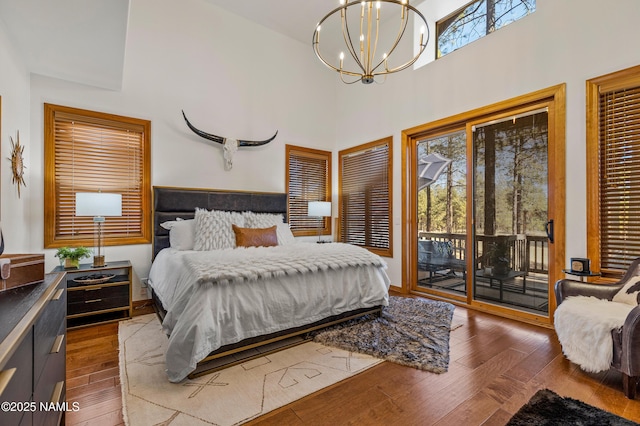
(496, 365)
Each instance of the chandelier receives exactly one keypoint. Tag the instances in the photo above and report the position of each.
(370, 48)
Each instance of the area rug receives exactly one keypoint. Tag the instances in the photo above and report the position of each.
(227, 397)
(411, 332)
(548, 408)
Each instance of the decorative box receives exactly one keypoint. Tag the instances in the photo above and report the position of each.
(20, 269)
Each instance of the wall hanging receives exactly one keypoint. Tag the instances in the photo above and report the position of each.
(230, 146)
(17, 162)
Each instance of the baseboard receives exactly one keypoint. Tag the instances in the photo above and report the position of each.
(142, 307)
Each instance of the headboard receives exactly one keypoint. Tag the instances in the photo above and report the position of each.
(170, 203)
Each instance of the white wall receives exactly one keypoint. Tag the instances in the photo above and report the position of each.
(231, 77)
(15, 212)
(565, 41)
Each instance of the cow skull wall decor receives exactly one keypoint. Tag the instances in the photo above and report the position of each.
(229, 146)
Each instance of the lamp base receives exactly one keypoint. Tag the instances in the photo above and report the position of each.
(98, 262)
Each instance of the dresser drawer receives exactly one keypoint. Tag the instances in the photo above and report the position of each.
(18, 371)
(48, 327)
(50, 388)
(97, 298)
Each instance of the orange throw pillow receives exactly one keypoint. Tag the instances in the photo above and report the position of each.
(255, 237)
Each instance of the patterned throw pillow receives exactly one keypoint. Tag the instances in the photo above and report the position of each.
(629, 292)
(213, 229)
(261, 220)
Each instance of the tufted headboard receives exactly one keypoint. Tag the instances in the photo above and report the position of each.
(170, 203)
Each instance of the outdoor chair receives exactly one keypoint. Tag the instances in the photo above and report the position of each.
(626, 340)
(438, 258)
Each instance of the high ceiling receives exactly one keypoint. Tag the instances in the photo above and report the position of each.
(93, 32)
(76, 40)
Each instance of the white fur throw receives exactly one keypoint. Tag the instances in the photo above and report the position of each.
(253, 263)
(584, 324)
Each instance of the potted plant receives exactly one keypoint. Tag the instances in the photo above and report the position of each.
(72, 256)
(499, 258)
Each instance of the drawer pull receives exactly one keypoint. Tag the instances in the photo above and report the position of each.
(92, 289)
(5, 378)
(93, 301)
(58, 294)
(57, 392)
(57, 344)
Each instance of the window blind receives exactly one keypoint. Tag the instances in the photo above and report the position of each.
(365, 196)
(89, 153)
(308, 179)
(619, 154)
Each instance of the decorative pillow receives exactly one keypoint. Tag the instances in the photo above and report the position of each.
(261, 220)
(213, 229)
(629, 292)
(255, 237)
(285, 236)
(181, 233)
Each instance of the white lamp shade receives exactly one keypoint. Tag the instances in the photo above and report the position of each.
(98, 204)
(319, 208)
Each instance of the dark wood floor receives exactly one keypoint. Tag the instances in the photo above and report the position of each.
(496, 365)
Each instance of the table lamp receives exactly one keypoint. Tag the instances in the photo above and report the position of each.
(98, 205)
(319, 209)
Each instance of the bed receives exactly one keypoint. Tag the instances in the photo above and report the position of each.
(224, 306)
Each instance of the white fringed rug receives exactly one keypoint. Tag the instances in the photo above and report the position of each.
(228, 397)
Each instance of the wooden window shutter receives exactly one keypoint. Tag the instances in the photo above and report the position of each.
(86, 151)
(366, 196)
(308, 178)
(620, 177)
(613, 138)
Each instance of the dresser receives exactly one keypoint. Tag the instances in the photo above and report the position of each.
(98, 294)
(33, 352)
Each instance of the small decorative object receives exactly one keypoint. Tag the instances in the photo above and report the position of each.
(580, 264)
(1, 241)
(94, 279)
(72, 256)
(230, 146)
(17, 163)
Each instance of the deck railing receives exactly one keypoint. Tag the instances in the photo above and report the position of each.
(525, 252)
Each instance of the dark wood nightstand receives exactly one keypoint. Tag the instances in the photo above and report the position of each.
(91, 301)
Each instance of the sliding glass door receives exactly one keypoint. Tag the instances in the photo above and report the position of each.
(484, 206)
(510, 205)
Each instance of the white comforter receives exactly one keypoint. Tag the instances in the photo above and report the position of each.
(201, 317)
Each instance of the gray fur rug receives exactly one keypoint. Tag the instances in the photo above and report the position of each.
(411, 332)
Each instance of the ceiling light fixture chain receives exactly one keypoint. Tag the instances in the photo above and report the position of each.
(365, 67)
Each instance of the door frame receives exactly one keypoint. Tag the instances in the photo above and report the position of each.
(555, 99)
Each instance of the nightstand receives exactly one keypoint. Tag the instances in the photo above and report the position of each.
(91, 300)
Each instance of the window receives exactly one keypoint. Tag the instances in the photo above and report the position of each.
(476, 20)
(365, 196)
(613, 171)
(87, 151)
(308, 178)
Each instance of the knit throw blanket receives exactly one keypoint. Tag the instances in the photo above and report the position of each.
(253, 263)
(584, 324)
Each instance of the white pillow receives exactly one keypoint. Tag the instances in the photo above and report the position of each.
(262, 220)
(213, 229)
(181, 233)
(629, 298)
(285, 236)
